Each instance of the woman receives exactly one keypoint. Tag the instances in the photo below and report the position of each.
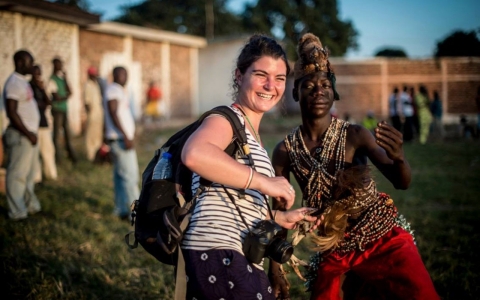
(212, 246)
(360, 233)
(424, 114)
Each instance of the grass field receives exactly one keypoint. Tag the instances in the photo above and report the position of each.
(76, 249)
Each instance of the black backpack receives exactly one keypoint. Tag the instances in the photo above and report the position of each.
(161, 213)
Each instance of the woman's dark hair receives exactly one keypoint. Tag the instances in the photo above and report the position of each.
(258, 45)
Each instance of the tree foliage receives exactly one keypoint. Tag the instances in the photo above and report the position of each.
(184, 16)
(81, 4)
(287, 20)
(290, 19)
(391, 52)
(459, 43)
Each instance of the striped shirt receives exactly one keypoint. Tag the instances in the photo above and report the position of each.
(215, 222)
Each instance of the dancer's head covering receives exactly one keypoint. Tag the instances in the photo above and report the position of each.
(312, 58)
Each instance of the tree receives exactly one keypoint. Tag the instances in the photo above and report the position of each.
(81, 4)
(290, 19)
(459, 43)
(185, 16)
(391, 52)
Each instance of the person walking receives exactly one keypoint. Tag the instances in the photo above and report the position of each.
(21, 140)
(45, 141)
(120, 132)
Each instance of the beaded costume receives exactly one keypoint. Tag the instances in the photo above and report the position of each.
(375, 211)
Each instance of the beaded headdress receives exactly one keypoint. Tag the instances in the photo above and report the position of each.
(312, 58)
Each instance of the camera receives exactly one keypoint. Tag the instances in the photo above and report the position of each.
(264, 241)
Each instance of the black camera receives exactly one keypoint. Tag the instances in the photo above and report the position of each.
(263, 241)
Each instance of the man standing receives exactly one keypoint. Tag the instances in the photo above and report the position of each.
(45, 142)
(408, 113)
(93, 107)
(120, 132)
(60, 91)
(21, 140)
(395, 109)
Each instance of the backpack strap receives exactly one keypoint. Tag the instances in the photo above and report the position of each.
(238, 128)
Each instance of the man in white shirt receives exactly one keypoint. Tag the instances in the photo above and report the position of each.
(120, 132)
(21, 140)
(395, 110)
(407, 105)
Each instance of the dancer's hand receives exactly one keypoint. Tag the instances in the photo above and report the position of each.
(391, 140)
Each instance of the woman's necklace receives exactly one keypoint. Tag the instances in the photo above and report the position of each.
(257, 137)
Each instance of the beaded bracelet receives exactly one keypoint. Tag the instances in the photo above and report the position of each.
(249, 181)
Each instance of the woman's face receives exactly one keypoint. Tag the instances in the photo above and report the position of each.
(263, 84)
(315, 94)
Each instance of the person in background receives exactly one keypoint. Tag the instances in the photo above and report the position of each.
(416, 122)
(408, 114)
(477, 102)
(360, 237)
(395, 109)
(120, 133)
(95, 114)
(154, 98)
(437, 111)
(21, 140)
(424, 114)
(370, 122)
(45, 141)
(216, 266)
(59, 90)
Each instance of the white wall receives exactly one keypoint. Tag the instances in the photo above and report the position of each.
(216, 65)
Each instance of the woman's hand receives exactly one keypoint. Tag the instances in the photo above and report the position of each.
(289, 219)
(275, 187)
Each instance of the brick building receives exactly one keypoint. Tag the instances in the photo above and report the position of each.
(367, 84)
(363, 84)
(46, 30)
(193, 76)
(49, 30)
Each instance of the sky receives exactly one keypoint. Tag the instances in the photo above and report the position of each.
(412, 25)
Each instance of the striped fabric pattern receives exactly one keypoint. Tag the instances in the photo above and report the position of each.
(215, 222)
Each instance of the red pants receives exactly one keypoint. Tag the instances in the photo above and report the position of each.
(390, 268)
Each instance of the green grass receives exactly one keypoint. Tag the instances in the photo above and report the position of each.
(76, 249)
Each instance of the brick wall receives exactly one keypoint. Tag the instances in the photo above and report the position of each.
(148, 54)
(7, 38)
(45, 39)
(363, 86)
(180, 104)
(93, 46)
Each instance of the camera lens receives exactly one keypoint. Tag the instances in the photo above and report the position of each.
(280, 250)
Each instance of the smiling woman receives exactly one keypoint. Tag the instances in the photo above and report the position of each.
(217, 243)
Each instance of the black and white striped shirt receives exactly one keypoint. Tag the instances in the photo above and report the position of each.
(215, 222)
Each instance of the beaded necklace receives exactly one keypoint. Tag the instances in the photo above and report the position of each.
(257, 136)
(375, 213)
(313, 169)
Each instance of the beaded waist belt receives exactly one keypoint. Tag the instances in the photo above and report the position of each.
(372, 224)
